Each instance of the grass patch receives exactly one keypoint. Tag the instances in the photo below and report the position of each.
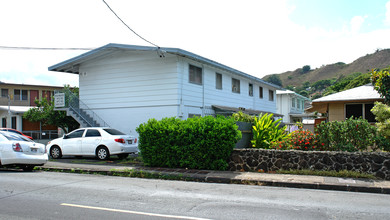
(122, 173)
(131, 160)
(147, 175)
(332, 173)
(90, 162)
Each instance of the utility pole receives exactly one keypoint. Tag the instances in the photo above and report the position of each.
(9, 111)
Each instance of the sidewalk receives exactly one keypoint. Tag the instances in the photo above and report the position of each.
(252, 178)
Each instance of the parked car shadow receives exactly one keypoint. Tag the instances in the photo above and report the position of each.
(133, 160)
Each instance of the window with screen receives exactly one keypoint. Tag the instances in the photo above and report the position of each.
(271, 95)
(218, 81)
(4, 93)
(353, 110)
(195, 75)
(250, 89)
(235, 85)
(260, 92)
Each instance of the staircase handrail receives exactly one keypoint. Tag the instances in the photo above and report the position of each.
(73, 102)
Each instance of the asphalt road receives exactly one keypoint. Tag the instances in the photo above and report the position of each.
(47, 195)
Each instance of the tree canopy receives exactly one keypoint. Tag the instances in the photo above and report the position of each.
(381, 81)
(275, 79)
(44, 112)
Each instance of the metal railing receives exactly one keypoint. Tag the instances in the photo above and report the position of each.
(74, 104)
(293, 127)
(38, 135)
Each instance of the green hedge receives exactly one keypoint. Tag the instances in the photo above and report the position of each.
(196, 143)
(349, 135)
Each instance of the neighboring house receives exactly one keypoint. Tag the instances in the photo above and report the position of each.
(126, 85)
(291, 105)
(16, 99)
(355, 102)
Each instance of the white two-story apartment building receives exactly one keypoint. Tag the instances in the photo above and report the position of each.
(126, 85)
(291, 105)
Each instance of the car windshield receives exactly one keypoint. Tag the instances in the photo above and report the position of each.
(113, 131)
(14, 137)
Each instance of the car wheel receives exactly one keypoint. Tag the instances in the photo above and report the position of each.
(102, 153)
(55, 152)
(28, 168)
(123, 156)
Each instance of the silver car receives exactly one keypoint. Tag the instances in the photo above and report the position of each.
(21, 152)
(94, 141)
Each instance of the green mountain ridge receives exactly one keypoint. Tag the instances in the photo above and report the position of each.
(380, 59)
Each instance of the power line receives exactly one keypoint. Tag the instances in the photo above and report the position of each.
(42, 48)
(129, 27)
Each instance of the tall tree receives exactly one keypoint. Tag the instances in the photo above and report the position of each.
(275, 79)
(306, 69)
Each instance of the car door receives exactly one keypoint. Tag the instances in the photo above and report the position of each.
(71, 144)
(90, 141)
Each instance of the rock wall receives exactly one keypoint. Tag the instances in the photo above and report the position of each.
(377, 164)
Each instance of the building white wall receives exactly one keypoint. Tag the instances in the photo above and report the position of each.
(285, 106)
(195, 96)
(128, 88)
(19, 120)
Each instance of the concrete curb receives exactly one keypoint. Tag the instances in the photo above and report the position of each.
(225, 178)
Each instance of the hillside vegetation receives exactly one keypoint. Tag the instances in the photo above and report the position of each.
(314, 83)
(379, 59)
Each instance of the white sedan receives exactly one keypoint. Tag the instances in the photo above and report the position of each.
(94, 141)
(21, 152)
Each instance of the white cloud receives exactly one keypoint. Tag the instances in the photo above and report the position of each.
(356, 23)
(387, 15)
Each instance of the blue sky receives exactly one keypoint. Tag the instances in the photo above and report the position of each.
(256, 37)
(337, 14)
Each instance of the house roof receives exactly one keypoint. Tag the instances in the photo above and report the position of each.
(289, 92)
(365, 93)
(72, 65)
(226, 110)
(361, 93)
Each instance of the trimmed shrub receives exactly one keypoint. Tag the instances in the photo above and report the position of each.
(196, 143)
(240, 116)
(349, 135)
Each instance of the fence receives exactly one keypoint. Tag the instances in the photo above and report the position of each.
(293, 127)
(38, 135)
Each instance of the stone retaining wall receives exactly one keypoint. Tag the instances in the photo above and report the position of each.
(377, 164)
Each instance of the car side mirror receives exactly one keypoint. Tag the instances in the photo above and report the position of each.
(65, 136)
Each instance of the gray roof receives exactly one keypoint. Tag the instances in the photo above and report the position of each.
(72, 65)
(365, 92)
(289, 92)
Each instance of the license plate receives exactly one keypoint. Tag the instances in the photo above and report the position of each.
(130, 141)
(34, 150)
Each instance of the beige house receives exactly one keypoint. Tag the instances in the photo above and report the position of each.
(355, 102)
(16, 99)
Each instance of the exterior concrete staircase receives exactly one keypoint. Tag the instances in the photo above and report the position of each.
(77, 109)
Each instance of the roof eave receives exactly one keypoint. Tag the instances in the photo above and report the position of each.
(71, 65)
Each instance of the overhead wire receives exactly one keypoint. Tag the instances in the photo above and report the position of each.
(43, 48)
(129, 27)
